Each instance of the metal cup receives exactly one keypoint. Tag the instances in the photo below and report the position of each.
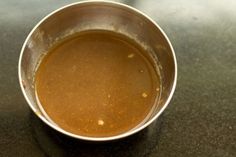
(94, 15)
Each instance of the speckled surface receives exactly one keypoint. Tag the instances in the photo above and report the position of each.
(200, 120)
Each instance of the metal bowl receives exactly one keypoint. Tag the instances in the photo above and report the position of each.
(92, 15)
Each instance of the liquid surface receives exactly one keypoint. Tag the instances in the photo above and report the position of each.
(97, 84)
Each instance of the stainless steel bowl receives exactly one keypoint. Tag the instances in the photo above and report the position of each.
(92, 15)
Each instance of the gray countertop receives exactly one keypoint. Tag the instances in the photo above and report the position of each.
(201, 118)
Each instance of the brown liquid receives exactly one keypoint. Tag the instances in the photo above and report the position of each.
(97, 84)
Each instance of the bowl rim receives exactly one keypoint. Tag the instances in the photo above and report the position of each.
(87, 138)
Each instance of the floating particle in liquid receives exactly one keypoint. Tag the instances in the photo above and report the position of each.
(144, 95)
(131, 55)
(100, 122)
(141, 71)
